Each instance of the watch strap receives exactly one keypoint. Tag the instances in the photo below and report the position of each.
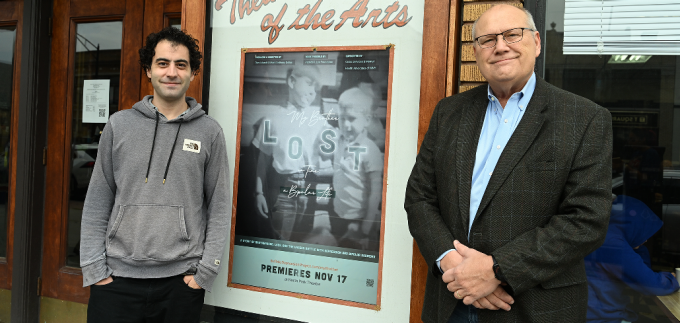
(497, 270)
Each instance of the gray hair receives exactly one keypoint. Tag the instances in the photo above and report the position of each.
(530, 22)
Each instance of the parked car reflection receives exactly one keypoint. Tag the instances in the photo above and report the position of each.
(84, 156)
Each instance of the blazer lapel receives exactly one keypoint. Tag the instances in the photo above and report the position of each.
(519, 143)
(466, 151)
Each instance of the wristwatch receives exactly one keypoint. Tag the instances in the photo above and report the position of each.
(497, 270)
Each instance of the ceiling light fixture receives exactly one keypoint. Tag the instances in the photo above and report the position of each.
(629, 59)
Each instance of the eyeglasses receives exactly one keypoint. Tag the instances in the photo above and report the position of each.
(510, 36)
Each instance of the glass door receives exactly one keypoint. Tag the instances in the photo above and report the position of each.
(94, 73)
(640, 86)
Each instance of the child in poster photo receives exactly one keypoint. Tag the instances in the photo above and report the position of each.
(357, 174)
(285, 142)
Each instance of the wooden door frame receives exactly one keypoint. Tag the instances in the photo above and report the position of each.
(59, 281)
(29, 169)
(193, 21)
(10, 15)
(438, 79)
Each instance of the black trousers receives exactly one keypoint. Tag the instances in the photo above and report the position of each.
(464, 314)
(131, 300)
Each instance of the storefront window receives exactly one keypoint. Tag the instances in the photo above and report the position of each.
(642, 92)
(7, 37)
(95, 97)
(175, 22)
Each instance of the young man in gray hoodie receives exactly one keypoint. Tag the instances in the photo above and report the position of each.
(157, 211)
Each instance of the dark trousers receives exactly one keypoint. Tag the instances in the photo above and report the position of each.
(464, 314)
(133, 300)
(289, 208)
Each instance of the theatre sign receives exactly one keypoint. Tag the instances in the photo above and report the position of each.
(307, 92)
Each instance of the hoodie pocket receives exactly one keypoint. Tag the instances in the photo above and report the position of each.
(148, 232)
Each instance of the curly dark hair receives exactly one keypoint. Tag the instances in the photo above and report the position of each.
(176, 37)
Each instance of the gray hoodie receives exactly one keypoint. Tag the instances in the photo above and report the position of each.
(158, 203)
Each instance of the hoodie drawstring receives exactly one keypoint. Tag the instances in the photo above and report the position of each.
(153, 144)
(172, 150)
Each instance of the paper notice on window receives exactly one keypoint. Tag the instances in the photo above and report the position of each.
(96, 101)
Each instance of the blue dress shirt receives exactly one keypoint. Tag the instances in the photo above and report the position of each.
(499, 125)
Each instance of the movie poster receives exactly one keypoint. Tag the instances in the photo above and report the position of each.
(310, 173)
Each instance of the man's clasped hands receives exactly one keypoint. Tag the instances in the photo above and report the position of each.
(469, 275)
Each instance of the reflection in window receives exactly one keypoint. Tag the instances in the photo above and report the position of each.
(621, 267)
(642, 92)
(175, 22)
(7, 38)
(98, 57)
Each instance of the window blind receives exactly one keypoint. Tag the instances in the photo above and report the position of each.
(611, 27)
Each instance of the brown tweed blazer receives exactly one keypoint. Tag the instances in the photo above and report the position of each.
(546, 206)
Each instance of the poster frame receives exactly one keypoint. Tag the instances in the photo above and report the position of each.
(391, 48)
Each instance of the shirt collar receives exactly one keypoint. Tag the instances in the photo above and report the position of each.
(155, 109)
(524, 95)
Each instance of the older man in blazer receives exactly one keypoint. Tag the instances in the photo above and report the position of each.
(511, 188)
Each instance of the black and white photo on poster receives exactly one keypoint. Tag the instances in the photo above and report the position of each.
(312, 148)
